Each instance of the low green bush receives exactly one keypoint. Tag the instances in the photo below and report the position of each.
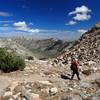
(10, 62)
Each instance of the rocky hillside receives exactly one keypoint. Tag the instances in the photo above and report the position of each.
(87, 48)
(44, 48)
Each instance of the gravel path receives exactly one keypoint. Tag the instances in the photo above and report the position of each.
(4, 82)
(7, 79)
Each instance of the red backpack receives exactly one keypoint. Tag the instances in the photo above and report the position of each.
(74, 65)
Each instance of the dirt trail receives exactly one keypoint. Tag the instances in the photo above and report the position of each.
(7, 79)
(4, 82)
(91, 77)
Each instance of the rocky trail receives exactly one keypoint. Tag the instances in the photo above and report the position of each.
(6, 80)
(46, 80)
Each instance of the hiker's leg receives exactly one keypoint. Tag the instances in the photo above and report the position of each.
(73, 75)
(77, 73)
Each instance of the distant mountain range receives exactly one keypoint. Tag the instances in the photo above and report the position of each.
(46, 48)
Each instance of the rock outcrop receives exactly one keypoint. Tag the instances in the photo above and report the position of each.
(86, 49)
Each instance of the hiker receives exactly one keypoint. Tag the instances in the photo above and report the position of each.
(75, 68)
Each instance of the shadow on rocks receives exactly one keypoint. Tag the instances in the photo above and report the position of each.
(65, 77)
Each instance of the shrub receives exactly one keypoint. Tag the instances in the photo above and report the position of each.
(30, 58)
(10, 62)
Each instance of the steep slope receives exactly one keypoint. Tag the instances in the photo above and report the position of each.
(47, 48)
(87, 48)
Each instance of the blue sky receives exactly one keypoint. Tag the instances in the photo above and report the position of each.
(64, 19)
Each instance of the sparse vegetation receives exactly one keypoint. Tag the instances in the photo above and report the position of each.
(30, 58)
(10, 62)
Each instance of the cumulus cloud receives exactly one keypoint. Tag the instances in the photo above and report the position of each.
(5, 14)
(82, 9)
(22, 26)
(81, 31)
(82, 17)
(71, 23)
(81, 13)
(38, 33)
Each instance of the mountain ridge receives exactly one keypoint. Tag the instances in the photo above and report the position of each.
(46, 48)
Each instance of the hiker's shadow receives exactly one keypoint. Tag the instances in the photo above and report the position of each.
(65, 77)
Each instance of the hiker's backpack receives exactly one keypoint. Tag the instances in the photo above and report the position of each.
(74, 66)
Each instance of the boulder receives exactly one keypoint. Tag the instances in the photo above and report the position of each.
(72, 97)
(6, 94)
(29, 96)
(45, 82)
(86, 72)
(85, 85)
(96, 97)
(11, 99)
(53, 91)
(97, 81)
(13, 85)
(16, 95)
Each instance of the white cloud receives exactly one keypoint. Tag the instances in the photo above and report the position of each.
(40, 34)
(71, 23)
(34, 30)
(82, 9)
(81, 13)
(5, 14)
(81, 31)
(22, 26)
(82, 17)
(57, 34)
